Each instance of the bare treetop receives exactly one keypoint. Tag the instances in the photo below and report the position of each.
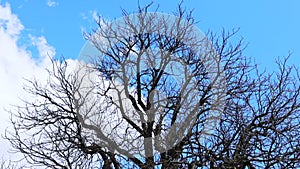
(151, 90)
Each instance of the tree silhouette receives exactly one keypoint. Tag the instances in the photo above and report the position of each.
(157, 95)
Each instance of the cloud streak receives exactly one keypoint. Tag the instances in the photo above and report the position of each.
(51, 3)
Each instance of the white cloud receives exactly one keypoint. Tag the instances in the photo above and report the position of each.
(42, 46)
(17, 63)
(95, 15)
(91, 15)
(9, 22)
(84, 16)
(51, 3)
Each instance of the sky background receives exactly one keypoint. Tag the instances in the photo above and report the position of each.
(32, 30)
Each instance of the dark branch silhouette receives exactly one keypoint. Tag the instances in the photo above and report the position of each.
(163, 98)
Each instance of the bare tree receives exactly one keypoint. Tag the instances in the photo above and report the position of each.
(159, 94)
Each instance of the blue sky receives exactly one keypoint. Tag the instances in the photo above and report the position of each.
(30, 30)
(270, 27)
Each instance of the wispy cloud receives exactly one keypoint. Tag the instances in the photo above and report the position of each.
(95, 15)
(51, 3)
(91, 15)
(44, 49)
